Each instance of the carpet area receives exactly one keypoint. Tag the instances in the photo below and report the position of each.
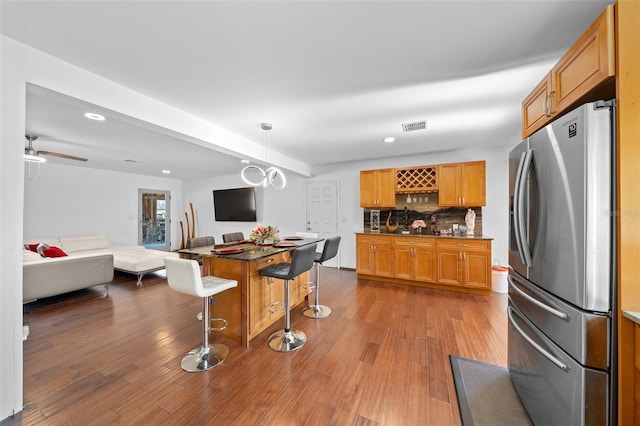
(486, 395)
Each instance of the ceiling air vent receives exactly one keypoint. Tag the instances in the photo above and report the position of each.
(416, 125)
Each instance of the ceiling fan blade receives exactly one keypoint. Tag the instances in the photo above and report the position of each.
(57, 154)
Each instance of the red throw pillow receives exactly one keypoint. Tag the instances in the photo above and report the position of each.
(53, 252)
(32, 247)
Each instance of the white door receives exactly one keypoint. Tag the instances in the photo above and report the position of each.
(154, 219)
(322, 212)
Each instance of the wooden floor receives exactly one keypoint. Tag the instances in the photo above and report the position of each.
(381, 358)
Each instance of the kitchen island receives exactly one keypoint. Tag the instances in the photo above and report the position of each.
(253, 305)
(459, 263)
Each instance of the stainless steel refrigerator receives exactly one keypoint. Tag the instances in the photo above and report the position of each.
(562, 289)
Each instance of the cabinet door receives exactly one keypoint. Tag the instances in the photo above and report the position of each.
(449, 184)
(587, 64)
(425, 265)
(383, 260)
(259, 302)
(364, 259)
(476, 270)
(387, 188)
(300, 287)
(473, 184)
(368, 188)
(536, 107)
(403, 262)
(449, 267)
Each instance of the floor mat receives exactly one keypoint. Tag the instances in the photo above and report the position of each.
(486, 395)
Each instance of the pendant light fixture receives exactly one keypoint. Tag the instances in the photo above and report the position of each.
(264, 176)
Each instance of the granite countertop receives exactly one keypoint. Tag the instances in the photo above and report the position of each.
(414, 235)
(632, 315)
(248, 251)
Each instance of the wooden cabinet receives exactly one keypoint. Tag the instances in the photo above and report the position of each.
(442, 262)
(374, 255)
(414, 259)
(536, 108)
(462, 184)
(266, 294)
(422, 179)
(589, 63)
(464, 263)
(377, 188)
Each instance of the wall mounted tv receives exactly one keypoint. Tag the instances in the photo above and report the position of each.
(235, 205)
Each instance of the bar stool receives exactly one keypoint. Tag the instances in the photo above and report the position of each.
(232, 236)
(183, 275)
(302, 260)
(329, 251)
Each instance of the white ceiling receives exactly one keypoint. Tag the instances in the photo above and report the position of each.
(334, 77)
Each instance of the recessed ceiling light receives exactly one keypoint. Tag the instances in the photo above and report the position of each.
(245, 161)
(94, 116)
(166, 172)
(389, 139)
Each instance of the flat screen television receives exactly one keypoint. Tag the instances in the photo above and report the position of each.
(235, 205)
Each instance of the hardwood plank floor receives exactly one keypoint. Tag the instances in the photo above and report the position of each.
(381, 358)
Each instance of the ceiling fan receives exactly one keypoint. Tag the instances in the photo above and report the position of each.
(31, 155)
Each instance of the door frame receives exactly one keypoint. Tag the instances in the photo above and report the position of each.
(167, 224)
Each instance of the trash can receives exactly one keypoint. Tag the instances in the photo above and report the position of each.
(499, 278)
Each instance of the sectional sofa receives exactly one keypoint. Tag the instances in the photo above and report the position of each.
(90, 260)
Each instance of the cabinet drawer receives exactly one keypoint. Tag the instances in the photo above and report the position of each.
(260, 264)
(414, 242)
(466, 245)
(374, 240)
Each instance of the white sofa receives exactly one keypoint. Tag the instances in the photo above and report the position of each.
(91, 261)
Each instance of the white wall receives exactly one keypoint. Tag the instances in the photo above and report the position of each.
(284, 208)
(69, 200)
(12, 117)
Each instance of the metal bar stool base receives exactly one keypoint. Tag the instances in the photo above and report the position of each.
(287, 341)
(203, 359)
(316, 311)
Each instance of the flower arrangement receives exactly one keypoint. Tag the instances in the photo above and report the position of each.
(418, 223)
(261, 234)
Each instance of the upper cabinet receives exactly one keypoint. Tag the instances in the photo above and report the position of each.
(588, 65)
(417, 179)
(377, 188)
(462, 184)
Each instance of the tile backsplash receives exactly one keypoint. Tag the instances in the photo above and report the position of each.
(423, 206)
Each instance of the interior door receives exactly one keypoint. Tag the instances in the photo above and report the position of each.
(154, 219)
(322, 212)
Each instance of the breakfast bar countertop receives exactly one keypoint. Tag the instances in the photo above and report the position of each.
(248, 251)
(246, 307)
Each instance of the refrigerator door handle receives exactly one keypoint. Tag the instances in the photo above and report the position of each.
(516, 210)
(558, 363)
(524, 246)
(552, 311)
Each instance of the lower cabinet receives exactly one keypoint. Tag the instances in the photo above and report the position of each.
(464, 263)
(374, 255)
(415, 259)
(458, 263)
(266, 294)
